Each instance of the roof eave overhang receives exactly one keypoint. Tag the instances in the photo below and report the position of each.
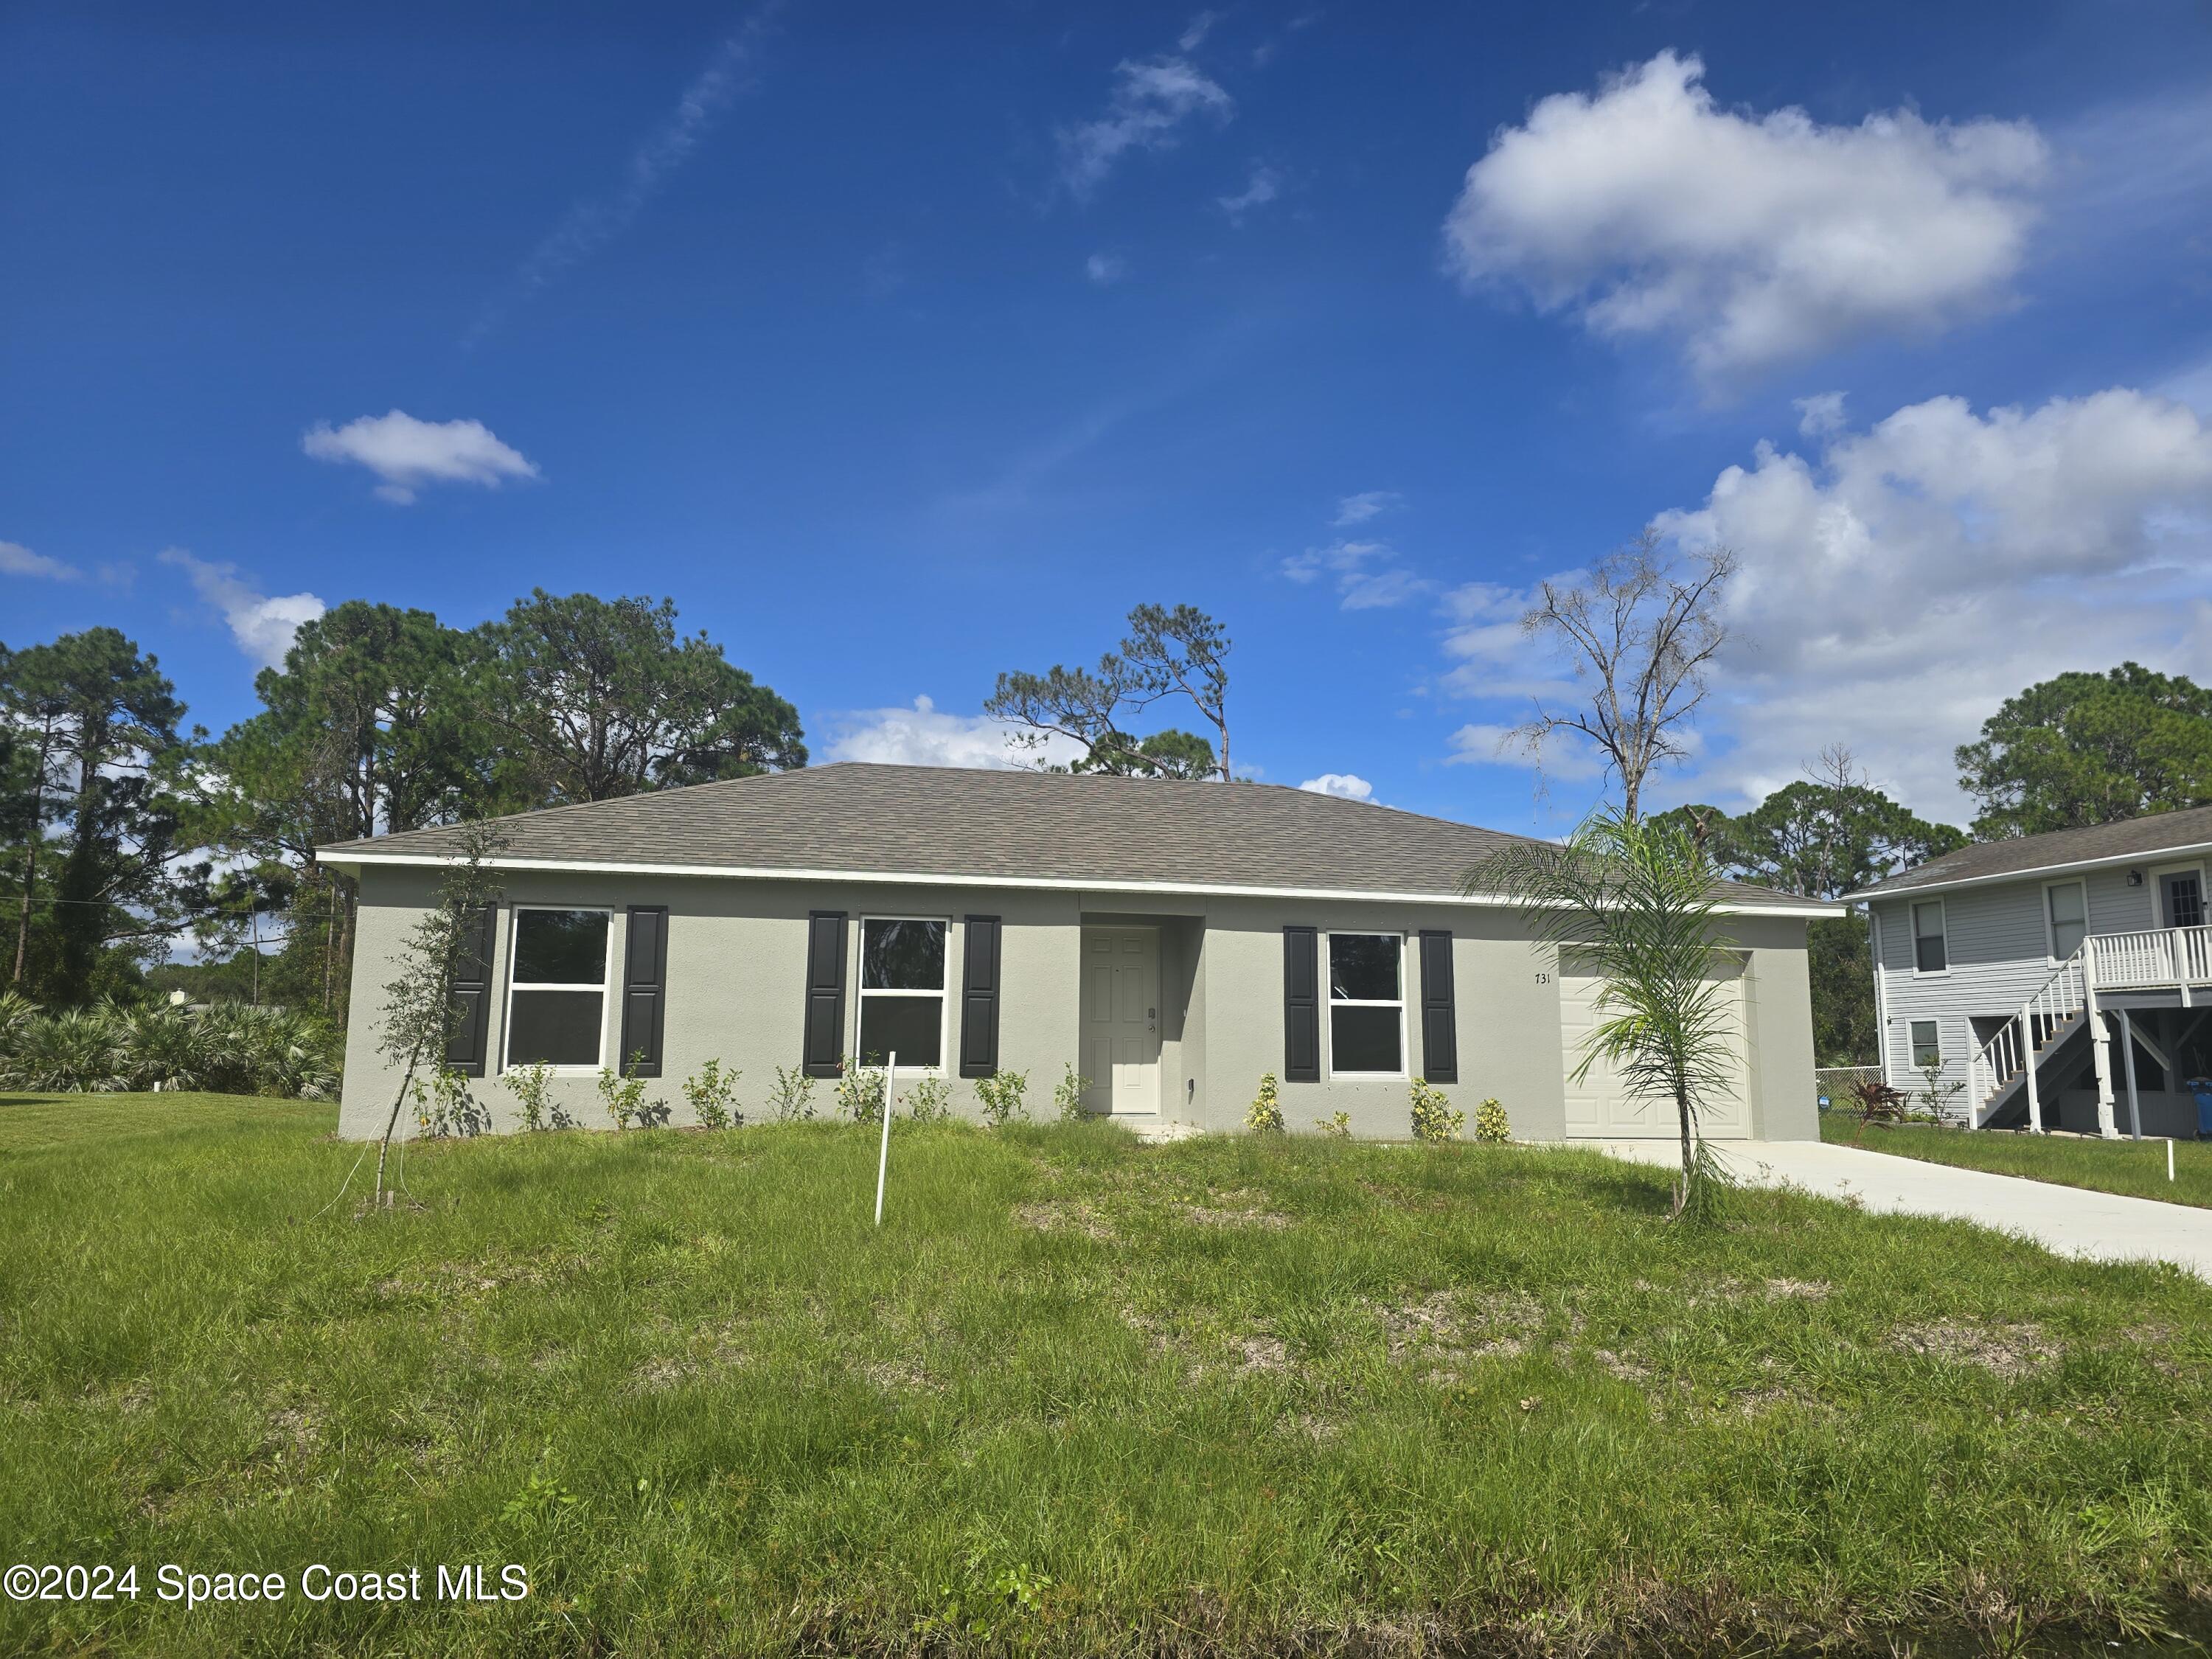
(2068, 866)
(353, 861)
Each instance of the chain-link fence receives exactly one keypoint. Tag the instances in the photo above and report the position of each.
(1831, 1084)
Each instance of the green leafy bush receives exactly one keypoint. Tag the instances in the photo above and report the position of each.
(532, 1087)
(1492, 1125)
(792, 1099)
(929, 1101)
(1067, 1093)
(712, 1093)
(859, 1092)
(625, 1098)
(1001, 1094)
(1265, 1114)
(444, 1109)
(1435, 1119)
(1337, 1125)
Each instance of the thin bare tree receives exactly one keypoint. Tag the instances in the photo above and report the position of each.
(1181, 653)
(419, 1017)
(1641, 631)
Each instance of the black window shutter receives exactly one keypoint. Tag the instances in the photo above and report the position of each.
(1301, 1006)
(645, 989)
(826, 992)
(1439, 1018)
(979, 998)
(471, 993)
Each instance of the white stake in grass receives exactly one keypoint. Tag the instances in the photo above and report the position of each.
(2169, 1159)
(883, 1162)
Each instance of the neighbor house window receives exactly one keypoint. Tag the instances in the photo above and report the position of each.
(902, 990)
(1366, 1005)
(558, 988)
(2069, 918)
(1927, 953)
(1927, 1047)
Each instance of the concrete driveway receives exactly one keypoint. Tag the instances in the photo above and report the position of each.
(2069, 1220)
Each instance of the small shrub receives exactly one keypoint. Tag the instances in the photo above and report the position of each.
(712, 1093)
(1491, 1123)
(1435, 1119)
(1875, 1101)
(1001, 1094)
(1265, 1114)
(532, 1088)
(929, 1101)
(625, 1098)
(792, 1099)
(1067, 1093)
(1337, 1125)
(444, 1108)
(859, 1092)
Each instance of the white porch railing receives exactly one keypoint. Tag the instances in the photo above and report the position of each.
(2158, 957)
(2014, 1047)
(2150, 960)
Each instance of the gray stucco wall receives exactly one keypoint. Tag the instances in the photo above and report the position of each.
(737, 949)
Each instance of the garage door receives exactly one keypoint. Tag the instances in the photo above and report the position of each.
(1599, 1108)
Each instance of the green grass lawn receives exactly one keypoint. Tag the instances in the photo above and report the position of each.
(2136, 1168)
(1079, 1396)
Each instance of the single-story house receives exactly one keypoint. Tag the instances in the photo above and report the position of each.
(2053, 981)
(1170, 941)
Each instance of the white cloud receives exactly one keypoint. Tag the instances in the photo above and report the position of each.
(1756, 240)
(17, 560)
(407, 454)
(1194, 33)
(1367, 504)
(1344, 785)
(1264, 186)
(1150, 102)
(1900, 585)
(1820, 415)
(925, 735)
(1105, 269)
(593, 222)
(1367, 575)
(262, 626)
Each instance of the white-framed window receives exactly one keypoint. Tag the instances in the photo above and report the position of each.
(903, 990)
(1367, 1005)
(1931, 953)
(1926, 1044)
(2066, 908)
(556, 986)
(2181, 896)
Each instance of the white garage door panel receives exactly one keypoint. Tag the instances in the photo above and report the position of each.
(1600, 1109)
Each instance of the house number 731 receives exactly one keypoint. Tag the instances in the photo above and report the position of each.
(1543, 978)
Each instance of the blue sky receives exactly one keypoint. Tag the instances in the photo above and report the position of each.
(900, 345)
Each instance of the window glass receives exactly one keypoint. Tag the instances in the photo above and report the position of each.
(1363, 967)
(1366, 1013)
(913, 1027)
(560, 947)
(903, 956)
(1364, 1039)
(1927, 1050)
(901, 992)
(1928, 955)
(547, 1021)
(2184, 901)
(2069, 919)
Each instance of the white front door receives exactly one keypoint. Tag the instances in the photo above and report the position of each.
(1600, 1107)
(1122, 1018)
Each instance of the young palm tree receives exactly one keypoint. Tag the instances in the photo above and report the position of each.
(1637, 901)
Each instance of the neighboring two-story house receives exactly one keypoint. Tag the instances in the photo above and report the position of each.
(2062, 981)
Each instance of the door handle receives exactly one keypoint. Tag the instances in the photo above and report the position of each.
(1152, 1019)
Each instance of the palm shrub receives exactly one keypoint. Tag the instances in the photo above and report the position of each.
(1634, 899)
(80, 1051)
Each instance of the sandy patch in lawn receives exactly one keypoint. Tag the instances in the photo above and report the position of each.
(1206, 1217)
(1448, 1328)
(2006, 1350)
(1058, 1217)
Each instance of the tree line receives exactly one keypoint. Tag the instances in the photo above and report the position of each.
(123, 831)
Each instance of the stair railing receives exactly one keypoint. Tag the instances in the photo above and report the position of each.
(2015, 1046)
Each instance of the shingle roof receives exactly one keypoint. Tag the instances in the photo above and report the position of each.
(951, 823)
(2059, 849)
